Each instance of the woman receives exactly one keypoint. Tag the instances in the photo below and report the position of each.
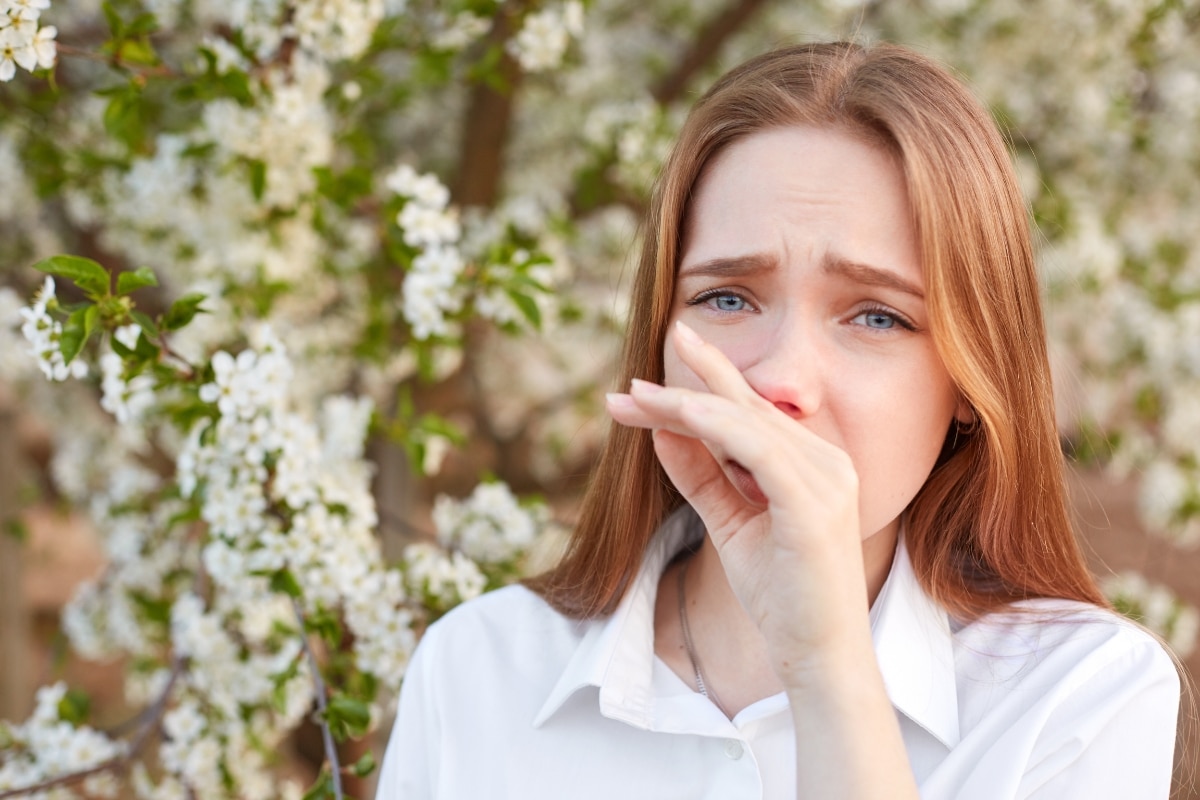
(826, 552)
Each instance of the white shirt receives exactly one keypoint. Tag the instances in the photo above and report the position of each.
(507, 698)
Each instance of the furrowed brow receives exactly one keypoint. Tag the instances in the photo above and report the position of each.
(870, 276)
(731, 267)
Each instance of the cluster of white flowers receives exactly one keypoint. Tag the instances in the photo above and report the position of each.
(246, 683)
(14, 362)
(1167, 489)
(431, 287)
(641, 133)
(457, 31)
(44, 336)
(332, 30)
(495, 303)
(105, 474)
(544, 36)
(490, 526)
(49, 747)
(336, 29)
(289, 130)
(1156, 607)
(126, 399)
(318, 477)
(443, 579)
(23, 42)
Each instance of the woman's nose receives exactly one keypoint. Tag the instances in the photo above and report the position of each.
(789, 371)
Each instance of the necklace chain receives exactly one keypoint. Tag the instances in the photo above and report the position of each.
(701, 686)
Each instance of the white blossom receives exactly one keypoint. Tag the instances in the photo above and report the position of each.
(542, 41)
(489, 526)
(1156, 607)
(127, 400)
(44, 334)
(460, 30)
(22, 42)
(448, 578)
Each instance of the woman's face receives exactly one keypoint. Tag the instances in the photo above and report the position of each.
(801, 264)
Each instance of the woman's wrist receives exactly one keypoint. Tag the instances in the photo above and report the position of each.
(841, 660)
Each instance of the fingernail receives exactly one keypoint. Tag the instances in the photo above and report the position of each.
(645, 387)
(617, 400)
(687, 334)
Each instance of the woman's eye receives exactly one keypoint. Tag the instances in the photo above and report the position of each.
(876, 319)
(727, 302)
(880, 320)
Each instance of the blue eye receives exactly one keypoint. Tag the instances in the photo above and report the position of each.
(722, 300)
(881, 319)
(878, 320)
(727, 302)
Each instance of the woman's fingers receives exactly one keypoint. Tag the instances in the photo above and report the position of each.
(698, 477)
(795, 472)
(712, 367)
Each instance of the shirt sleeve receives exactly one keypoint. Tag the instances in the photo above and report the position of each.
(409, 769)
(1114, 735)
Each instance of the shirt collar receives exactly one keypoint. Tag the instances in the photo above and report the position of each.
(911, 634)
(616, 653)
(915, 649)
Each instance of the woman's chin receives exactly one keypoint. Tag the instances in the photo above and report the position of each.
(745, 484)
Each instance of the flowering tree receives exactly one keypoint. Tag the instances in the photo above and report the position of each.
(302, 225)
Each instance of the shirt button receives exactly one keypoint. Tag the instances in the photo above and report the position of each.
(734, 749)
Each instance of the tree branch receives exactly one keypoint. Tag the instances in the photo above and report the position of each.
(489, 118)
(149, 721)
(706, 45)
(326, 735)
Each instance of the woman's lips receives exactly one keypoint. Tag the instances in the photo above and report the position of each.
(744, 482)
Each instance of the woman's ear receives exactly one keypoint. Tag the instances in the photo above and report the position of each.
(965, 415)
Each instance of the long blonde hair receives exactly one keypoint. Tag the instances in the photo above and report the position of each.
(991, 524)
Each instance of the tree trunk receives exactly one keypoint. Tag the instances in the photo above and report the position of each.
(488, 120)
(14, 613)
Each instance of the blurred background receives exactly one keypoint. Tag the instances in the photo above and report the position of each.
(432, 206)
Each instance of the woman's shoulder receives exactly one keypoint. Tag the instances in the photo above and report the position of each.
(1052, 636)
(503, 624)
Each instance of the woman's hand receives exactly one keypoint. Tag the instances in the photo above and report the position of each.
(779, 502)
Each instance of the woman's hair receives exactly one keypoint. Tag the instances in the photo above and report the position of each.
(991, 524)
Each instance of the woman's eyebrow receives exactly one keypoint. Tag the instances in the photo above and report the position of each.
(731, 267)
(869, 276)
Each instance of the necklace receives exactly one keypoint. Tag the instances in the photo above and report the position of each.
(701, 686)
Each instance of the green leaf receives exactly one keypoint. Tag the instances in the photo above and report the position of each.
(74, 334)
(114, 20)
(123, 117)
(144, 24)
(528, 307)
(87, 274)
(320, 790)
(155, 609)
(352, 716)
(284, 581)
(74, 707)
(148, 325)
(183, 310)
(236, 84)
(91, 318)
(325, 625)
(258, 177)
(128, 281)
(137, 51)
(365, 765)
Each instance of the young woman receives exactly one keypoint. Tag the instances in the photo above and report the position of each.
(826, 552)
